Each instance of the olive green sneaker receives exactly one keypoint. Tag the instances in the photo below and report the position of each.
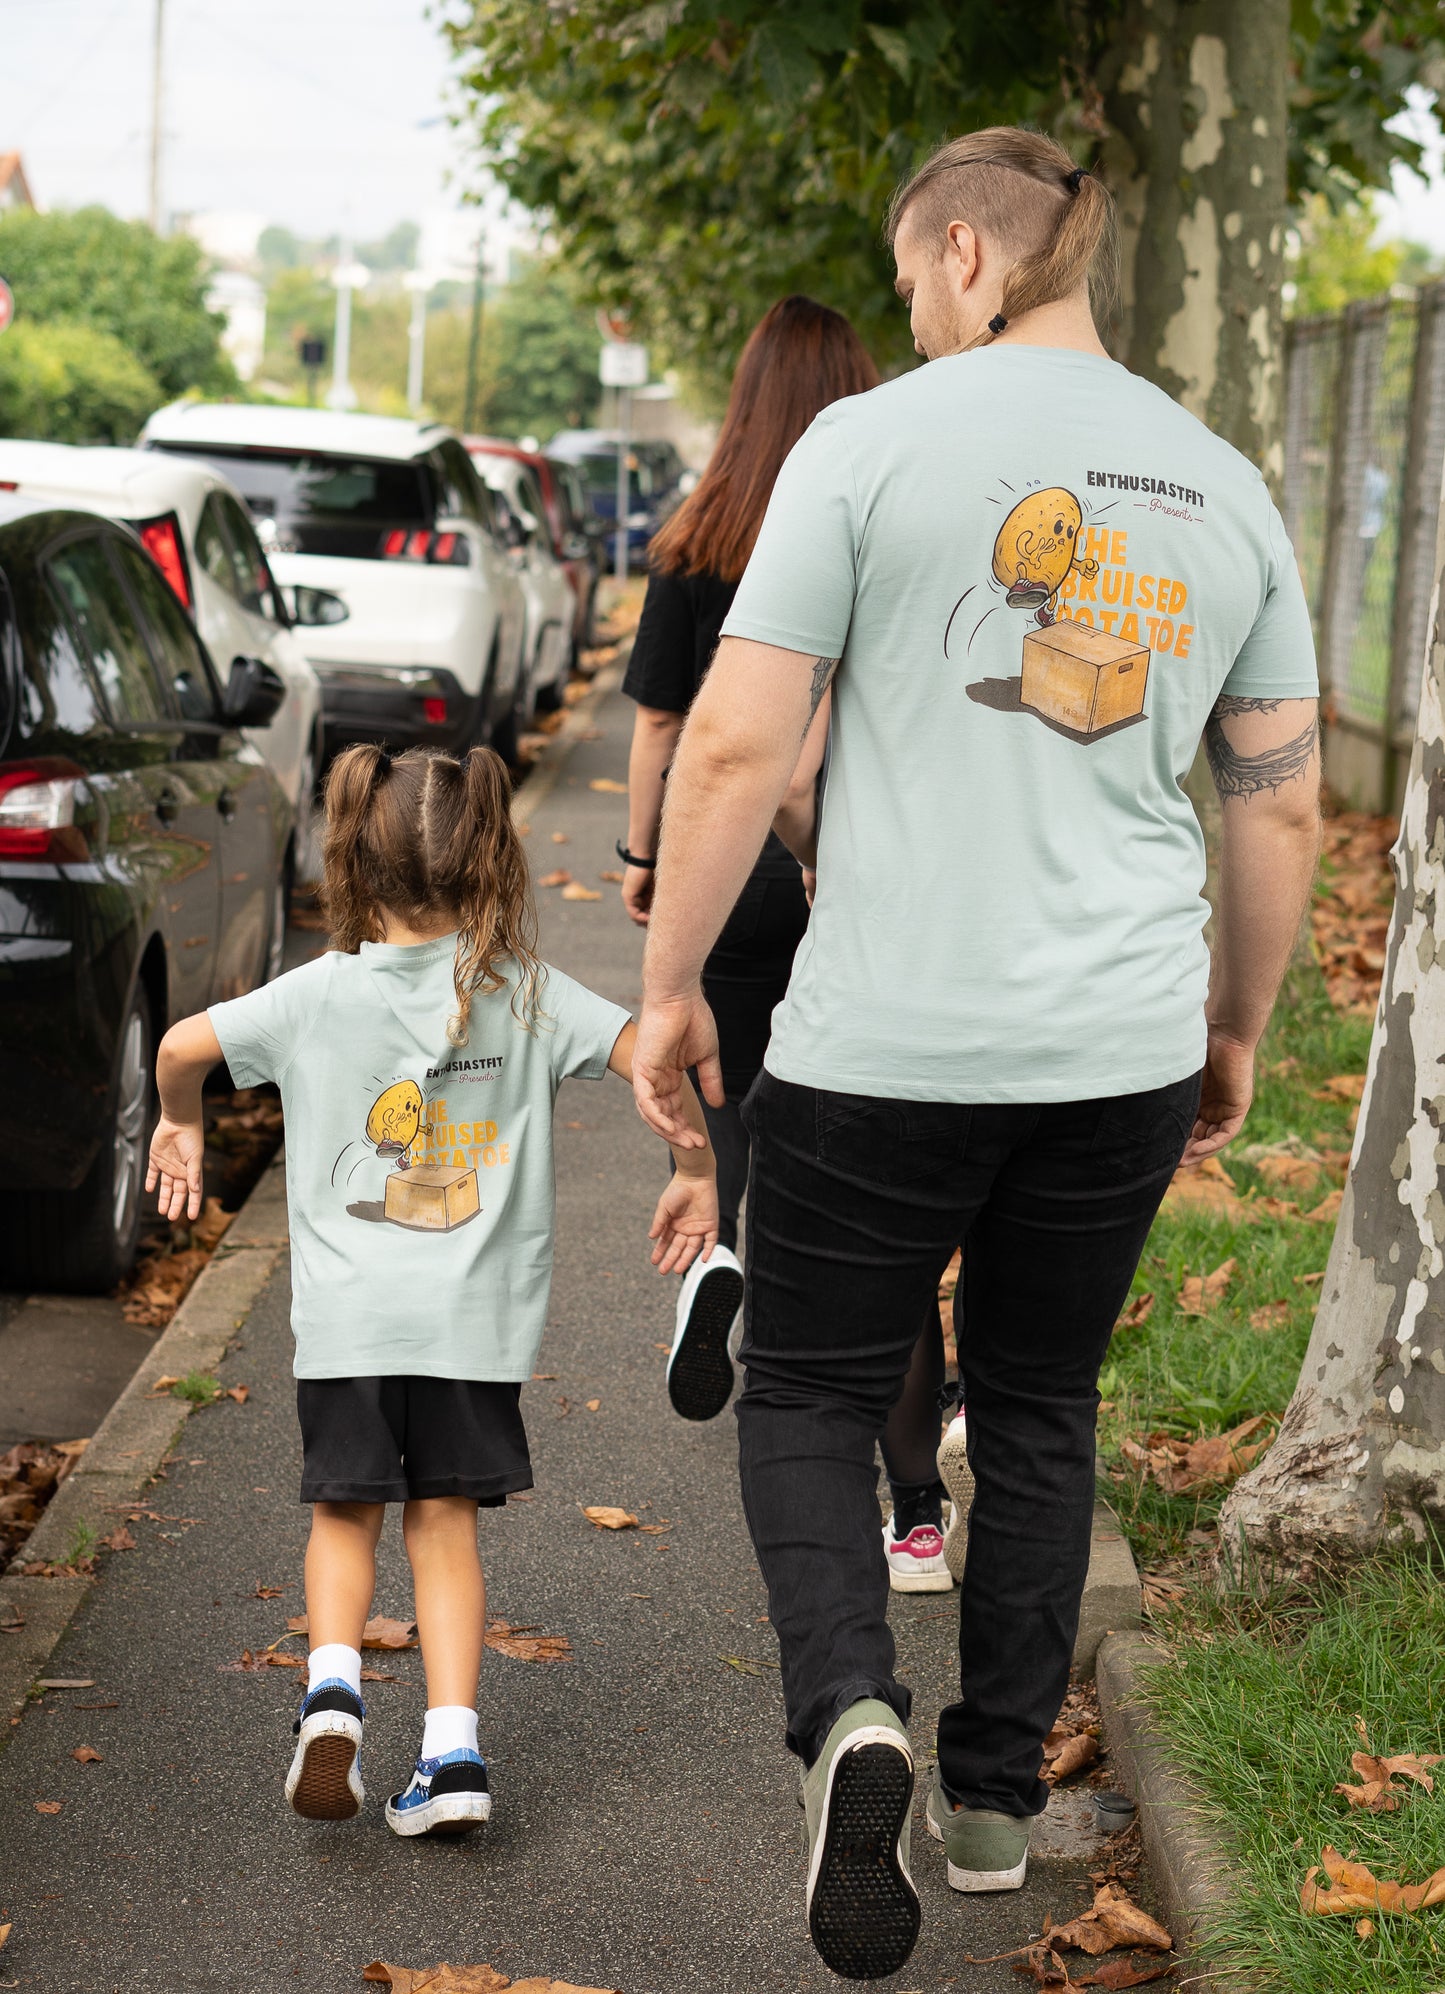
(986, 1851)
(863, 1912)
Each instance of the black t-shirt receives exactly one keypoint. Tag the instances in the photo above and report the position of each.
(682, 619)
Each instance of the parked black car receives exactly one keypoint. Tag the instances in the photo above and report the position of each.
(145, 850)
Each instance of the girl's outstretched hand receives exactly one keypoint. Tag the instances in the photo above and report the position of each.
(685, 1222)
(177, 1151)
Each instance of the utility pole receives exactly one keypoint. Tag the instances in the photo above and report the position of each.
(474, 342)
(348, 276)
(418, 283)
(156, 108)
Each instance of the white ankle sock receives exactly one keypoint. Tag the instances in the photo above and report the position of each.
(451, 1727)
(333, 1660)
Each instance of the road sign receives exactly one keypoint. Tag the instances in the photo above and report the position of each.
(622, 365)
(7, 304)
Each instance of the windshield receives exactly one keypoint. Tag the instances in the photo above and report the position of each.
(599, 474)
(307, 502)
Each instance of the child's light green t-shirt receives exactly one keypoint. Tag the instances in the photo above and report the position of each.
(418, 1174)
(1039, 573)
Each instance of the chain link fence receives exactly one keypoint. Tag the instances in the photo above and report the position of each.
(1364, 449)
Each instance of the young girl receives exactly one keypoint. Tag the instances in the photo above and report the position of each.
(418, 1062)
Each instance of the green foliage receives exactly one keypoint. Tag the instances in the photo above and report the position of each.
(542, 352)
(1339, 259)
(701, 159)
(198, 1387)
(69, 383)
(91, 269)
(83, 1540)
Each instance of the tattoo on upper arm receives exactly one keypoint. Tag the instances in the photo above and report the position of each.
(823, 670)
(1237, 774)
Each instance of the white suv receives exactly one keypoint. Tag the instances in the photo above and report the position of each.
(197, 531)
(385, 539)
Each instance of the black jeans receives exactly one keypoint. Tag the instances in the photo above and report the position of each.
(854, 1208)
(744, 979)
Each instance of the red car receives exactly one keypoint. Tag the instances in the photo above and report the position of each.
(564, 507)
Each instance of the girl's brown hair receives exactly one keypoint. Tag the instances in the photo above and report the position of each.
(800, 357)
(422, 833)
(1054, 222)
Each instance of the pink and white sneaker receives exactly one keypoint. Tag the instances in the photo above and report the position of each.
(916, 1562)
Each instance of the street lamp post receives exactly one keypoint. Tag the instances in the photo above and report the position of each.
(622, 366)
(348, 276)
(419, 284)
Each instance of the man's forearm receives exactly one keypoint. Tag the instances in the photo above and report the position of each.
(1266, 868)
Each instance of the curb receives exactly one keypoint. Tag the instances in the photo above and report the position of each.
(134, 1438)
(1113, 1601)
(1190, 1872)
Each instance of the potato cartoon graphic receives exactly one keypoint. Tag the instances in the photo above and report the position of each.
(394, 1120)
(1035, 549)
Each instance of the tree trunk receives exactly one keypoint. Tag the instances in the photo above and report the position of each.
(1194, 93)
(1360, 1457)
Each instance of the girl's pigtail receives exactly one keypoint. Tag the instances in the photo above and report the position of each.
(480, 864)
(347, 853)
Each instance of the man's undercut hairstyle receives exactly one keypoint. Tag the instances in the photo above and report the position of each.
(1053, 221)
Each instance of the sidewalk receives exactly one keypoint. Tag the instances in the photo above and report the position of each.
(646, 1834)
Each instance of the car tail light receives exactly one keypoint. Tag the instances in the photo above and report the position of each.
(450, 550)
(417, 545)
(37, 810)
(445, 546)
(434, 712)
(393, 544)
(161, 539)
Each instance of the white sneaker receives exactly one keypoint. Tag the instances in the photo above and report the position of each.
(957, 1477)
(324, 1783)
(916, 1562)
(699, 1370)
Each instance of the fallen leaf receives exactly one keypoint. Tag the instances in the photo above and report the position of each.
(5, 1931)
(594, 1405)
(577, 891)
(1073, 1755)
(654, 1529)
(1207, 1184)
(268, 1592)
(377, 1633)
(525, 1644)
(164, 1384)
(1364, 1928)
(1341, 1087)
(48, 1806)
(1114, 1919)
(1201, 1291)
(1123, 1973)
(444, 1979)
(375, 1675)
(1181, 1465)
(1137, 1313)
(560, 838)
(266, 1659)
(1286, 1171)
(606, 1517)
(87, 1755)
(118, 1539)
(608, 786)
(561, 877)
(240, 1393)
(1377, 1793)
(66, 1682)
(1327, 1210)
(1309, 1280)
(612, 878)
(1272, 1316)
(1352, 1886)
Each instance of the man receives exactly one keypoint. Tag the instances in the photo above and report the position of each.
(1033, 582)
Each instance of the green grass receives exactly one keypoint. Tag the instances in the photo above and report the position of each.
(1258, 1701)
(197, 1386)
(1195, 1375)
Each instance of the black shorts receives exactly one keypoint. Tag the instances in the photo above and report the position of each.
(392, 1439)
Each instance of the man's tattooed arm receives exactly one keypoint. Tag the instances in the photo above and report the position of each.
(823, 670)
(1246, 775)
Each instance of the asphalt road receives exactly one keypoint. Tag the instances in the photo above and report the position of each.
(646, 1833)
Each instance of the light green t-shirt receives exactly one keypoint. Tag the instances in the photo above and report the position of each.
(1009, 900)
(418, 1173)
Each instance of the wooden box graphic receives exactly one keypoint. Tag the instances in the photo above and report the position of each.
(432, 1198)
(1083, 678)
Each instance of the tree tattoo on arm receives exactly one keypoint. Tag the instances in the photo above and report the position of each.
(1237, 774)
(823, 670)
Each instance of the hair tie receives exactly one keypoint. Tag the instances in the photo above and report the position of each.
(1071, 180)
(383, 761)
(997, 323)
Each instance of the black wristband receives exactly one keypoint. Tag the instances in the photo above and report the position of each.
(631, 858)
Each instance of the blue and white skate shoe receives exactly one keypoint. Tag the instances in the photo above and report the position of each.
(447, 1796)
(324, 1783)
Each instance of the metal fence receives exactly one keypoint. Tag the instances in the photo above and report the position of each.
(1364, 448)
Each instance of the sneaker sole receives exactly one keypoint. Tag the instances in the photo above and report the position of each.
(700, 1373)
(448, 1814)
(919, 1581)
(957, 1477)
(863, 1911)
(323, 1791)
(975, 1882)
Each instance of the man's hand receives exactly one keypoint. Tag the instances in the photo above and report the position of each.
(637, 885)
(177, 1151)
(685, 1222)
(674, 1034)
(1224, 1100)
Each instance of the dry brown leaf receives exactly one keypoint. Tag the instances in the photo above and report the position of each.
(1207, 1184)
(1124, 1973)
(561, 877)
(87, 1755)
(1137, 1313)
(1289, 1171)
(240, 1393)
(560, 838)
(1341, 1087)
(1114, 1919)
(267, 1658)
(444, 1979)
(5, 1931)
(1364, 1928)
(1272, 1316)
(577, 891)
(118, 1539)
(48, 1806)
(268, 1592)
(1327, 1210)
(594, 1405)
(377, 1633)
(612, 878)
(1201, 1291)
(607, 1517)
(1181, 1465)
(1377, 1793)
(525, 1644)
(608, 786)
(163, 1384)
(1073, 1755)
(1352, 1886)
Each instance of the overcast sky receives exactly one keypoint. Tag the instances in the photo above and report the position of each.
(319, 114)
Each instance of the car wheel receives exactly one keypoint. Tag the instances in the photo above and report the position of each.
(85, 1240)
(505, 735)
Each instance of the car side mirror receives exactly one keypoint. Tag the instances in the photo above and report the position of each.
(254, 693)
(309, 607)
